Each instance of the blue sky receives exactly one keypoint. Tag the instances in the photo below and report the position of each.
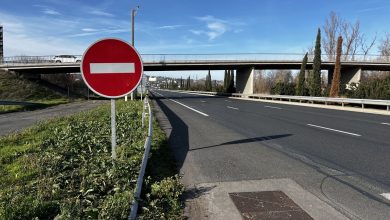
(46, 27)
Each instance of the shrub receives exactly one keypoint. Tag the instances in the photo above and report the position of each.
(377, 88)
(282, 88)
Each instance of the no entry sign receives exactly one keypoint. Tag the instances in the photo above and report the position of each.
(111, 68)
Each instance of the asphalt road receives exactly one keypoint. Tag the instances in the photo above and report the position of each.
(341, 157)
(13, 122)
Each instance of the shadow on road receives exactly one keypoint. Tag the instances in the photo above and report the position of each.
(178, 138)
(244, 141)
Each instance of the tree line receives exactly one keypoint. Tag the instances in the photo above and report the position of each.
(342, 41)
(206, 84)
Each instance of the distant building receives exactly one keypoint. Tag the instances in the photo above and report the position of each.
(1, 45)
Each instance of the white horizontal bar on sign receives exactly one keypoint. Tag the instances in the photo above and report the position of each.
(111, 68)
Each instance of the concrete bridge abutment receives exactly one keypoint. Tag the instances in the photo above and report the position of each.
(348, 76)
(245, 80)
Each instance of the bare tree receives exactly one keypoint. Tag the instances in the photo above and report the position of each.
(384, 47)
(260, 82)
(353, 43)
(283, 76)
(366, 47)
(351, 39)
(331, 31)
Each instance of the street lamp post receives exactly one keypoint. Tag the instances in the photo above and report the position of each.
(133, 13)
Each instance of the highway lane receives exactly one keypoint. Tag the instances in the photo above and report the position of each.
(351, 147)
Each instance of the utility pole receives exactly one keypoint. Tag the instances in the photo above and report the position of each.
(1, 45)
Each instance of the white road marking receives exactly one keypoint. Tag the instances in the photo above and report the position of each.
(228, 101)
(203, 101)
(111, 68)
(331, 129)
(384, 123)
(386, 195)
(232, 107)
(267, 106)
(204, 114)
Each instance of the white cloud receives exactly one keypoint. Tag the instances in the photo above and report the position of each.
(23, 36)
(198, 32)
(101, 13)
(214, 27)
(47, 10)
(51, 12)
(170, 27)
(370, 9)
(89, 29)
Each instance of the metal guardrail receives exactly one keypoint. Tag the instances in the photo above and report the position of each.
(325, 100)
(148, 141)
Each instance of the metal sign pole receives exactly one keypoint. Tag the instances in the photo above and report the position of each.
(113, 130)
(141, 88)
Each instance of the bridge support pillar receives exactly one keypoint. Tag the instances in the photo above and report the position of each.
(245, 80)
(348, 76)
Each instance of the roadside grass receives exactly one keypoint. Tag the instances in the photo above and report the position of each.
(14, 88)
(63, 169)
(39, 105)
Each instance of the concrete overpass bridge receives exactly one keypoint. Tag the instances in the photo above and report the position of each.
(243, 63)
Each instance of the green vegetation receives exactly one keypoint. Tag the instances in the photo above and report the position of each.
(283, 88)
(62, 169)
(374, 88)
(300, 89)
(315, 78)
(188, 83)
(208, 84)
(14, 88)
(226, 80)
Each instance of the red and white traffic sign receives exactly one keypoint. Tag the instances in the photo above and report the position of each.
(111, 68)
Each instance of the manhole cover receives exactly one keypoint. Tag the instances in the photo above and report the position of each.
(267, 205)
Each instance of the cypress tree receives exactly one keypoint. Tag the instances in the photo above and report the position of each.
(209, 83)
(231, 82)
(335, 87)
(315, 81)
(225, 81)
(300, 90)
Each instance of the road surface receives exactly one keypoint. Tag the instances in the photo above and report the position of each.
(12, 122)
(343, 158)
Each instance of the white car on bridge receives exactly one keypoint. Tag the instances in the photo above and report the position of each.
(66, 59)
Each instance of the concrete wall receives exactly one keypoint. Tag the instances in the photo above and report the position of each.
(245, 80)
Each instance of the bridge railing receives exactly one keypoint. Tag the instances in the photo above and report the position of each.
(156, 58)
(189, 58)
(32, 59)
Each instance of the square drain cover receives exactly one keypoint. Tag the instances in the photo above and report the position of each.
(267, 205)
